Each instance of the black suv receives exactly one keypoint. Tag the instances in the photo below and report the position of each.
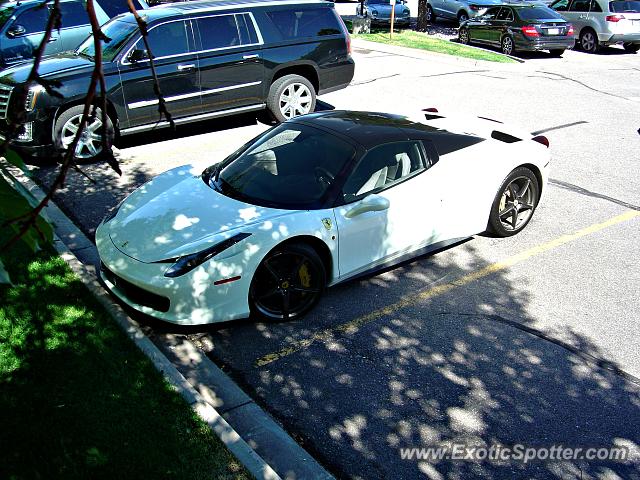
(212, 59)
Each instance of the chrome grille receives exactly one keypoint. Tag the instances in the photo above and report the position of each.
(5, 93)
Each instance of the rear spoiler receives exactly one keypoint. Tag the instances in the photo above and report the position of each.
(483, 127)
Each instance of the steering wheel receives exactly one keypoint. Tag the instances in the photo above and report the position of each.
(323, 176)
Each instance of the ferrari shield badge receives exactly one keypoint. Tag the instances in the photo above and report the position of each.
(327, 223)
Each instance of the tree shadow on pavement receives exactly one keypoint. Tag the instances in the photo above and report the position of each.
(452, 368)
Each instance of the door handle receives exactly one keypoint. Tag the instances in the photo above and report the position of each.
(249, 57)
(52, 39)
(186, 68)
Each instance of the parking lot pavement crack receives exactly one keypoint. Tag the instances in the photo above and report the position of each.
(453, 73)
(583, 191)
(589, 87)
(371, 80)
(600, 362)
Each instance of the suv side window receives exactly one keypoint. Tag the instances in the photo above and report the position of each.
(310, 22)
(33, 20)
(384, 166)
(560, 5)
(492, 13)
(224, 31)
(167, 39)
(73, 14)
(116, 7)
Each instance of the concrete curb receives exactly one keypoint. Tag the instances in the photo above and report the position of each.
(259, 428)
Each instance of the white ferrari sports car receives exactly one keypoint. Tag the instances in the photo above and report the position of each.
(310, 203)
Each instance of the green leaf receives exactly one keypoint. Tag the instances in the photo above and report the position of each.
(16, 160)
(14, 205)
(4, 275)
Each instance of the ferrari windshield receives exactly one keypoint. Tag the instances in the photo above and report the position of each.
(118, 31)
(5, 14)
(292, 166)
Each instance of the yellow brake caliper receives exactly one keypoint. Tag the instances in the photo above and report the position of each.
(305, 276)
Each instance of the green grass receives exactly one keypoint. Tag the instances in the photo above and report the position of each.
(78, 399)
(422, 41)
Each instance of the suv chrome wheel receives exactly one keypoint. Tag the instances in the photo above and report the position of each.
(89, 144)
(295, 100)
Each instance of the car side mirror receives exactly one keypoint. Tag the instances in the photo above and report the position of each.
(16, 31)
(137, 56)
(370, 203)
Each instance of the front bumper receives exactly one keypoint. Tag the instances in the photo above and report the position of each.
(387, 20)
(191, 299)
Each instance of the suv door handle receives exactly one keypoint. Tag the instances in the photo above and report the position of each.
(186, 68)
(52, 39)
(249, 57)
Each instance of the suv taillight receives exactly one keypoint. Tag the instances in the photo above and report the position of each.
(530, 31)
(346, 33)
(614, 18)
(475, 8)
(570, 31)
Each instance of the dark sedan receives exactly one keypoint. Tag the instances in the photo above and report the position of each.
(519, 27)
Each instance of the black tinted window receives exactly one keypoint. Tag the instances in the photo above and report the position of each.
(305, 23)
(492, 13)
(584, 6)
(247, 30)
(167, 39)
(33, 20)
(631, 6)
(538, 13)
(218, 32)
(73, 14)
(291, 166)
(505, 14)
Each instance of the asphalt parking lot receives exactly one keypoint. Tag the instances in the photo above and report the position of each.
(531, 339)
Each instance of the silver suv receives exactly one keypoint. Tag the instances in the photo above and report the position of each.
(461, 10)
(601, 22)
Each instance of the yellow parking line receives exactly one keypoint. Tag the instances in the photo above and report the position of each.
(354, 325)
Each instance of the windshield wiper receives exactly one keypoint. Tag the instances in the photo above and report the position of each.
(85, 55)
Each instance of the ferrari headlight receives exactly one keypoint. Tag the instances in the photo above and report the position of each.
(185, 264)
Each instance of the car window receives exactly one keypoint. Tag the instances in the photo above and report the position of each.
(291, 166)
(6, 11)
(561, 5)
(491, 13)
(629, 6)
(33, 20)
(538, 13)
(310, 22)
(505, 14)
(166, 40)
(383, 167)
(584, 6)
(73, 14)
(220, 31)
(248, 34)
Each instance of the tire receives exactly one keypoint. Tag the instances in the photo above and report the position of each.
(431, 17)
(589, 41)
(288, 283)
(508, 217)
(304, 96)
(463, 36)
(556, 52)
(462, 17)
(89, 147)
(631, 47)
(507, 46)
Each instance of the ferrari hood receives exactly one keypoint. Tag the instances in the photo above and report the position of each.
(176, 214)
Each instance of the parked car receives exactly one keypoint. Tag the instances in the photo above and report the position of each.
(603, 22)
(519, 27)
(460, 10)
(380, 11)
(311, 203)
(212, 59)
(22, 26)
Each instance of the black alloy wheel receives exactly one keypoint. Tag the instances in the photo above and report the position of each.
(288, 282)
